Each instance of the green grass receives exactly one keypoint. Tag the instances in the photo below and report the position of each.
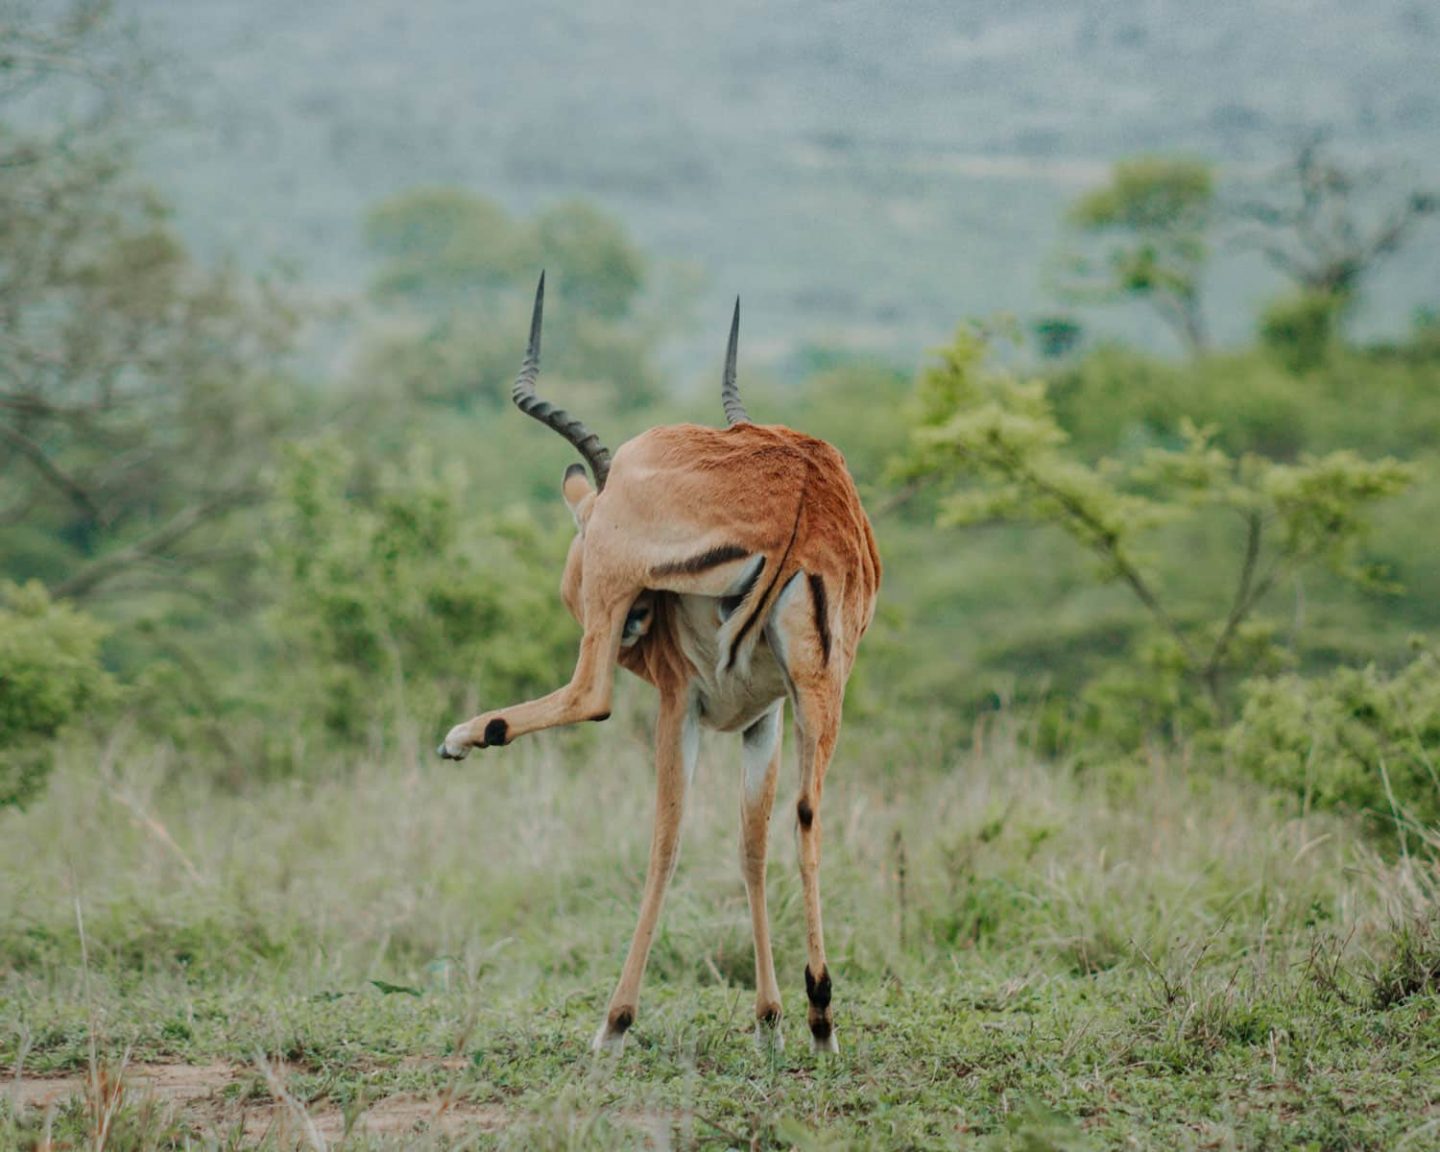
(1152, 955)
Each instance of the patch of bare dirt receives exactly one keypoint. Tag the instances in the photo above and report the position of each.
(202, 1095)
(170, 1083)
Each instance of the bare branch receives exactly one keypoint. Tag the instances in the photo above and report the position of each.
(1101, 539)
(1321, 226)
(51, 472)
(166, 536)
(1239, 607)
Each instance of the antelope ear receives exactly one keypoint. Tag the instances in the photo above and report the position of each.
(576, 488)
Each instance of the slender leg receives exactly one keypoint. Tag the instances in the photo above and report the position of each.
(816, 748)
(677, 740)
(761, 753)
(798, 631)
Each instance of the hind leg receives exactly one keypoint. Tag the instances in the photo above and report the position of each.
(677, 745)
(799, 632)
(817, 736)
(761, 755)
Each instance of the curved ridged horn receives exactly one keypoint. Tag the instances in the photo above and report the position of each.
(523, 393)
(729, 394)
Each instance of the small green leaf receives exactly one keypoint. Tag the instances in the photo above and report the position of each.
(389, 989)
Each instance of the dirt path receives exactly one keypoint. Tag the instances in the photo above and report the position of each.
(214, 1098)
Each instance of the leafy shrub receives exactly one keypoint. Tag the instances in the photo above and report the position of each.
(49, 672)
(1153, 691)
(1301, 329)
(1358, 739)
(1114, 399)
(392, 600)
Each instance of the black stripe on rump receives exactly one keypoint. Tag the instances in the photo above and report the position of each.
(762, 603)
(722, 554)
(740, 635)
(822, 613)
(729, 605)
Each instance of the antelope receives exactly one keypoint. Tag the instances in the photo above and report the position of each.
(733, 570)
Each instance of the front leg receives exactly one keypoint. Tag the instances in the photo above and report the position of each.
(586, 697)
(677, 746)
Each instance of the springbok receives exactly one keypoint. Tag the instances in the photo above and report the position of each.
(732, 570)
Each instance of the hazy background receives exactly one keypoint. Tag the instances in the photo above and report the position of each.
(864, 174)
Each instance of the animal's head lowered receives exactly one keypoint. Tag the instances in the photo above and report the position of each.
(580, 496)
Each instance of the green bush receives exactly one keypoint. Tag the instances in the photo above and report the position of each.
(50, 673)
(1114, 400)
(1358, 739)
(1301, 329)
(394, 601)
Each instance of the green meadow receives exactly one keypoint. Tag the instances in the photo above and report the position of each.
(398, 954)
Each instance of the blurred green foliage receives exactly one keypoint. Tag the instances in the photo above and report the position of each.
(1372, 401)
(50, 677)
(443, 248)
(1361, 739)
(1301, 328)
(391, 601)
(1151, 224)
(455, 273)
(139, 391)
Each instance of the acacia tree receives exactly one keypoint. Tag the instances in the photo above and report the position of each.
(994, 441)
(138, 391)
(1327, 225)
(1146, 234)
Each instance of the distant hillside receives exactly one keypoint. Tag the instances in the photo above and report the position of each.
(865, 173)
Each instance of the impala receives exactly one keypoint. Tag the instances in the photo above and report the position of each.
(734, 570)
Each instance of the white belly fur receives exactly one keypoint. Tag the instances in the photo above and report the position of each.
(729, 701)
